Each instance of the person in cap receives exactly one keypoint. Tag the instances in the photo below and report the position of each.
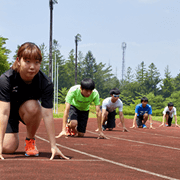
(168, 113)
(108, 107)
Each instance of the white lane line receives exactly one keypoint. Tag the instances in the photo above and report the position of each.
(155, 134)
(157, 145)
(84, 160)
(110, 161)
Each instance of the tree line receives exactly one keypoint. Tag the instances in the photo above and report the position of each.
(144, 81)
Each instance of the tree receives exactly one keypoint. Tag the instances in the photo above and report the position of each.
(167, 86)
(4, 52)
(15, 55)
(129, 92)
(176, 82)
(60, 61)
(89, 65)
(141, 72)
(129, 75)
(104, 80)
(69, 69)
(45, 62)
(141, 75)
(152, 79)
(62, 94)
(157, 102)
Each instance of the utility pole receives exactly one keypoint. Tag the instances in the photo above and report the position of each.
(76, 43)
(55, 85)
(123, 60)
(51, 2)
(57, 89)
(77, 38)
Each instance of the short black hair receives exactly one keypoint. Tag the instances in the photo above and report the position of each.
(88, 84)
(114, 91)
(170, 104)
(144, 99)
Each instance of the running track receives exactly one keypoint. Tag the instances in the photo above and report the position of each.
(137, 154)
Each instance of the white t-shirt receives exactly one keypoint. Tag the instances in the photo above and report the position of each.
(171, 113)
(110, 106)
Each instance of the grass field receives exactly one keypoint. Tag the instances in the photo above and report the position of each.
(61, 108)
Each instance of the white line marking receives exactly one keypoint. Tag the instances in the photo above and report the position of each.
(156, 134)
(162, 146)
(110, 161)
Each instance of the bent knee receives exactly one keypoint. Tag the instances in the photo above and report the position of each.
(73, 123)
(31, 107)
(145, 116)
(9, 150)
(10, 143)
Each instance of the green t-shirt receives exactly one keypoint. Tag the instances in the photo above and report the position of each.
(75, 98)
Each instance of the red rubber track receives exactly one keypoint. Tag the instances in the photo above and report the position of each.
(137, 154)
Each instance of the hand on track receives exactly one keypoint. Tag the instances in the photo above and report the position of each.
(162, 125)
(56, 151)
(133, 126)
(1, 157)
(151, 127)
(102, 136)
(61, 134)
(124, 129)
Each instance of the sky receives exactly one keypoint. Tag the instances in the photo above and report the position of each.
(150, 29)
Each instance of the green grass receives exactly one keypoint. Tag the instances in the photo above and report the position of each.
(59, 115)
(92, 114)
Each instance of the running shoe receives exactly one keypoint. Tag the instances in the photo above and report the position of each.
(103, 127)
(144, 126)
(30, 148)
(68, 131)
(73, 132)
(166, 125)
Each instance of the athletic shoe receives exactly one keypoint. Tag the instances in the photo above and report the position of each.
(166, 125)
(144, 126)
(68, 131)
(103, 127)
(30, 148)
(73, 132)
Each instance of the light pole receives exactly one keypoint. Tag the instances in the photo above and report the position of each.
(77, 38)
(123, 60)
(57, 89)
(55, 84)
(51, 2)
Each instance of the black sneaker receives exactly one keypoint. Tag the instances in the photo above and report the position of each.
(103, 127)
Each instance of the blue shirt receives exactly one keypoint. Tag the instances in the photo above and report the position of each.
(140, 110)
